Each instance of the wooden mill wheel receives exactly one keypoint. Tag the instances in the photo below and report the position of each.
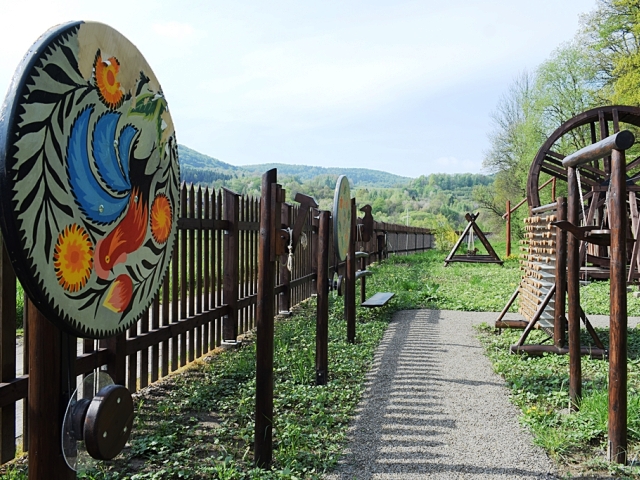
(590, 127)
(587, 127)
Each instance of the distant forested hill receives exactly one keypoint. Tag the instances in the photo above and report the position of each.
(433, 201)
(357, 176)
(191, 158)
(201, 169)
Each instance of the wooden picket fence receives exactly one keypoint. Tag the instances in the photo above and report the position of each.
(213, 274)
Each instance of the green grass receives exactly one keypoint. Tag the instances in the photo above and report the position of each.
(199, 424)
(310, 422)
(539, 387)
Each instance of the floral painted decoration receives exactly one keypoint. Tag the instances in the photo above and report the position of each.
(73, 258)
(106, 80)
(90, 178)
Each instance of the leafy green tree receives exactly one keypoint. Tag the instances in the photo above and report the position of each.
(567, 84)
(612, 33)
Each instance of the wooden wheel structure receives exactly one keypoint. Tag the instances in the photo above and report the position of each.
(590, 127)
(587, 127)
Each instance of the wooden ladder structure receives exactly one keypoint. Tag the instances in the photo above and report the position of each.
(543, 286)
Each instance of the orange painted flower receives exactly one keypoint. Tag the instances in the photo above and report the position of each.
(161, 218)
(120, 294)
(107, 82)
(73, 258)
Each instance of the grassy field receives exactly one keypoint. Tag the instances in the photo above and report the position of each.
(199, 424)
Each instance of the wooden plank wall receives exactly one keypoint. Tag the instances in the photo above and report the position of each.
(185, 321)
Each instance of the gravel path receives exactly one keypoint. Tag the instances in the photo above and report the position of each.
(433, 408)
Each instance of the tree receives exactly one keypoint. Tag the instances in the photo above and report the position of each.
(517, 134)
(612, 33)
(567, 84)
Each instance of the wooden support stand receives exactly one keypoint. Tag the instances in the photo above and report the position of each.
(573, 292)
(508, 247)
(322, 317)
(618, 322)
(284, 299)
(7, 352)
(350, 280)
(231, 281)
(560, 320)
(492, 256)
(51, 360)
(271, 245)
(265, 310)
(614, 146)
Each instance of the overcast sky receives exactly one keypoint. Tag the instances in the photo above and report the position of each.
(402, 86)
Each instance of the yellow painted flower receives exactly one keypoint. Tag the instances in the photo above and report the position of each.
(107, 82)
(161, 217)
(73, 258)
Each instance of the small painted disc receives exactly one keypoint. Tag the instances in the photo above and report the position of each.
(342, 217)
(89, 179)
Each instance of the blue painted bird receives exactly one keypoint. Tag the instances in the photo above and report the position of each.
(110, 185)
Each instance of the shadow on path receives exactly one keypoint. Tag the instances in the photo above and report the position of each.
(435, 412)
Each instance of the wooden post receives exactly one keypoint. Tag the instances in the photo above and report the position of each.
(231, 246)
(618, 322)
(265, 310)
(553, 188)
(363, 281)
(25, 368)
(322, 318)
(314, 250)
(7, 351)
(350, 274)
(508, 228)
(573, 291)
(48, 396)
(560, 321)
(380, 246)
(284, 299)
(117, 358)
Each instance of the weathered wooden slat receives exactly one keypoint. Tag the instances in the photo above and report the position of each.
(13, 390)
(175, 300)
(132, 368)
(183, 275)
(185, 223)
(89, 362)
(242, 265)
(206, 266)
(144, 353)
(173, 330)
(219, 264)
(198, 273)
(7, 352)
(191, 273)
(165, 352)
(155, 348)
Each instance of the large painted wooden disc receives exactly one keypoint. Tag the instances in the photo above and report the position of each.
(89, 179)
(342, 217)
